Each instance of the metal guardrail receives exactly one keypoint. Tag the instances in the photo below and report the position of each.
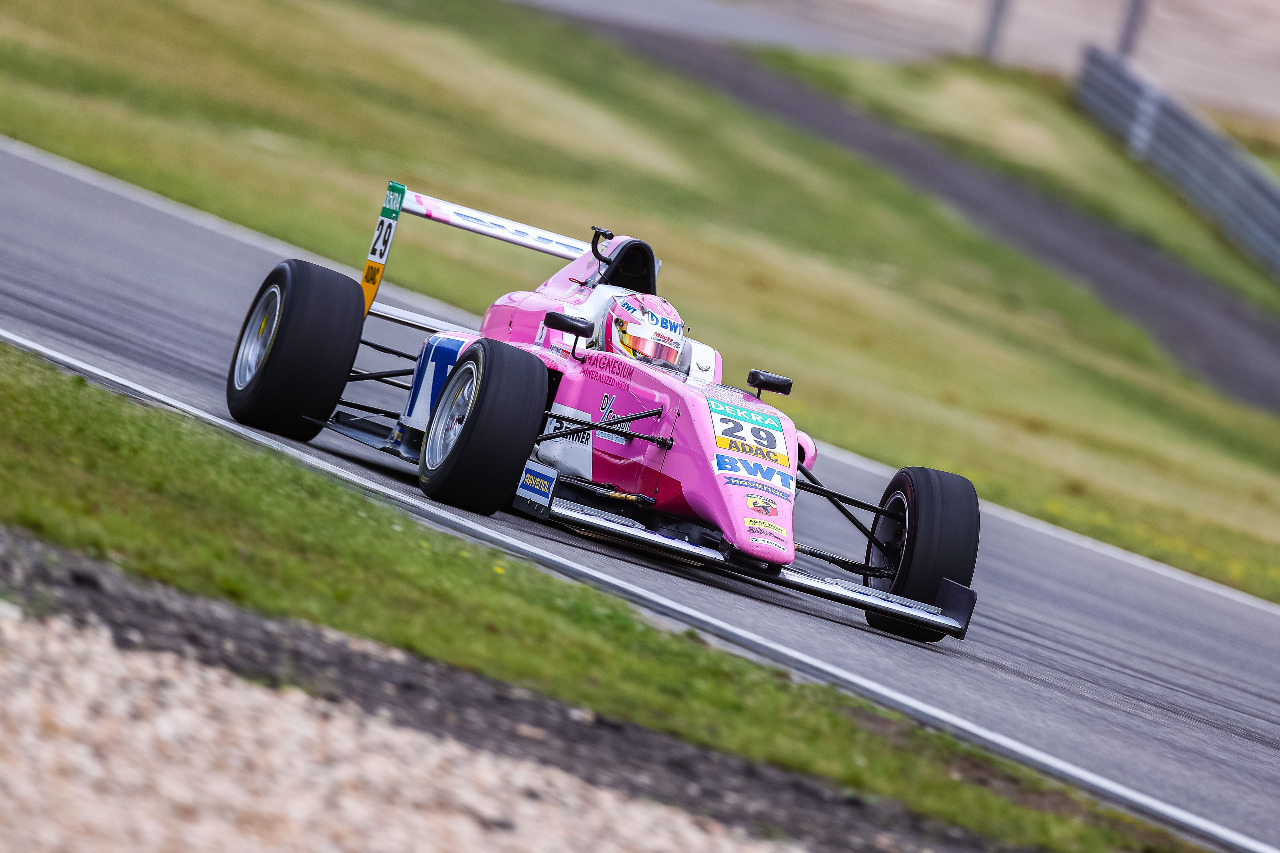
(1214, 173)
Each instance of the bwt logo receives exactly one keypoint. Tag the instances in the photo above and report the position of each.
(753, 469)
(668, 325)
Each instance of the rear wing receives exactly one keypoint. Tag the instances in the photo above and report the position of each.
(401, 200)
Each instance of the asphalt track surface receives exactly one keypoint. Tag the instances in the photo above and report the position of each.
(1137, 673)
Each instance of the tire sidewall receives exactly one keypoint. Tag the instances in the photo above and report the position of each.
(280, 278)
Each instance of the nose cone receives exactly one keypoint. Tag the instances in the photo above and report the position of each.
(761, 498)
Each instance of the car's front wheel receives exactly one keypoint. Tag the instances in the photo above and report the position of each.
(932, 536)
(295, 350)
(483, 427)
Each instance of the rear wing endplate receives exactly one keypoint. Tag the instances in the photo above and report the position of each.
(401, 200)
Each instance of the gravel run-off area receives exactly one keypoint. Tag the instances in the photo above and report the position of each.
(124, 723)
(106, 749)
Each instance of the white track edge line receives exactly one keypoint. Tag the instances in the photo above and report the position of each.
(249, 237)
(747, 640)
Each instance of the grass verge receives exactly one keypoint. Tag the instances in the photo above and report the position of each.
(183, 503)
(913, 338)
(1025, 124)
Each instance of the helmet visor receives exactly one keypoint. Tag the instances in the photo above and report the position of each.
(645, 346)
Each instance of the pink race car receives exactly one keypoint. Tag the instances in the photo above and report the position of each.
(584, 403)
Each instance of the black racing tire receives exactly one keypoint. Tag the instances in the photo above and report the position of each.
(295, 350)
(482, 429)
(939, 540)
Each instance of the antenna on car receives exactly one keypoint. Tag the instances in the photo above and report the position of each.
(595, 242)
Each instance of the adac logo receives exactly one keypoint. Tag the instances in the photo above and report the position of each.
(761, 504)
(737, 446)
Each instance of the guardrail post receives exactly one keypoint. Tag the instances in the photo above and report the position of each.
(1134, 15)
(995, 25)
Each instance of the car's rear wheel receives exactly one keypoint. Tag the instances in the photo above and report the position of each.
(483, 427)
(295, 350)
(934, 538)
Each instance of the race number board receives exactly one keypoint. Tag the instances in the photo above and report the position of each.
(381, 246)
(749, 432)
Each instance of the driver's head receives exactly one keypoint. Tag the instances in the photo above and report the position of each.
(644, 327)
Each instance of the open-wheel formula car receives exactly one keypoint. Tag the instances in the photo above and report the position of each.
(584, 403)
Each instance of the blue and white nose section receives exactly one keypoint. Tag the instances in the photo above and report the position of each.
(439, 354)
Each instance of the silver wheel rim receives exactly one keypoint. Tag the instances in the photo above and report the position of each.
(255, 341)
(451, 414)
(892, 533)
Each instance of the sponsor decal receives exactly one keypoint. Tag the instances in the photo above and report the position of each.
(760, 487)
(372, 278)
(761, 504)
(555, 425)
(730, 465)
(536, 484)
(533, 492)
(571, 454)
(534, 235)
(733, 445)
(606, 412)
(666, 325)
(609, 369)
(759, 525)
(761, 541)
(666, 339)
(748, 416)
(392, 203)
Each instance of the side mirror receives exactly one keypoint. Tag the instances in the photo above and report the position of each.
(806, 449)
(575, 326)
(762, 381)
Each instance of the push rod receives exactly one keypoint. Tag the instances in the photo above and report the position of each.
(388, 350)
(839, 505)
(364, 376)
(845, 563)
(373, 410)
(845, 499)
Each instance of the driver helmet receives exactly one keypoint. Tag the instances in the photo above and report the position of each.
(644, 327)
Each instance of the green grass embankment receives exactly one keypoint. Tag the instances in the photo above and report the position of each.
(183, 503)
(912, 337)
